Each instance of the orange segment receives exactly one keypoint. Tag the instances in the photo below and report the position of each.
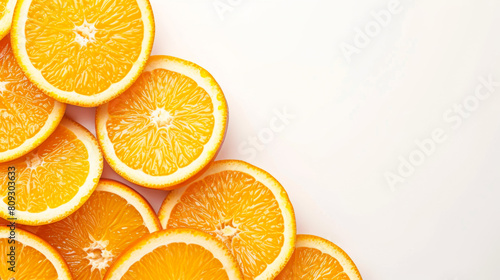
(53, 180)
(165, 128)
(318, 258)
(6, 12)
(35, 259)
(176, 254)
(181, 105)
(27, 116)
(202, 264)
(245, 208)
(92, 238)
(83, 53)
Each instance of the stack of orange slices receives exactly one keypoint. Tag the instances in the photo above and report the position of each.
(160, 123)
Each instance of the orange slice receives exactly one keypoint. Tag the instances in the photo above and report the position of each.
(6, 11)
(34, 258)
(53, 180)
(165, 128)
(31, 229)
(244, 207)
(176, 254)
(96, 234)
(318, 258)
(82, 52)
(27, 116)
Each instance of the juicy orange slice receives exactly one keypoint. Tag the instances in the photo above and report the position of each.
(6, 11)
(27, 116)
(176, 254)
(82, 52)
(34, 258)
(165, 128)
(318, 258)
(92, 238)
(53, 180)
(244, 207)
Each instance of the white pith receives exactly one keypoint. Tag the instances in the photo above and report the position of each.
(85, 33)
(6, 20)
(98, 255)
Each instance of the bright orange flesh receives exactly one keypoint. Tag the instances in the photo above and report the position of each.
(50, 175)
(318, 259)
(24, 109)
(177, 261)
(30, 263)
(84, 46)
(310, 263)
(176, 254)
(240, 211)
(34, 258)
(167, 127)
(92, 238)
(161, 123)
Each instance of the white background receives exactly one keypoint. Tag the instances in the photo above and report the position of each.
(355, 116)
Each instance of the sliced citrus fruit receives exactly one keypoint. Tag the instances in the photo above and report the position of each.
(31, 229)
(318, 258)
(176, 254)
(34, 258)
(53, 180)
(243, 206)
(91, 238)
(82, 52)
(6, 11)
(27, 116)
(165, 128)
